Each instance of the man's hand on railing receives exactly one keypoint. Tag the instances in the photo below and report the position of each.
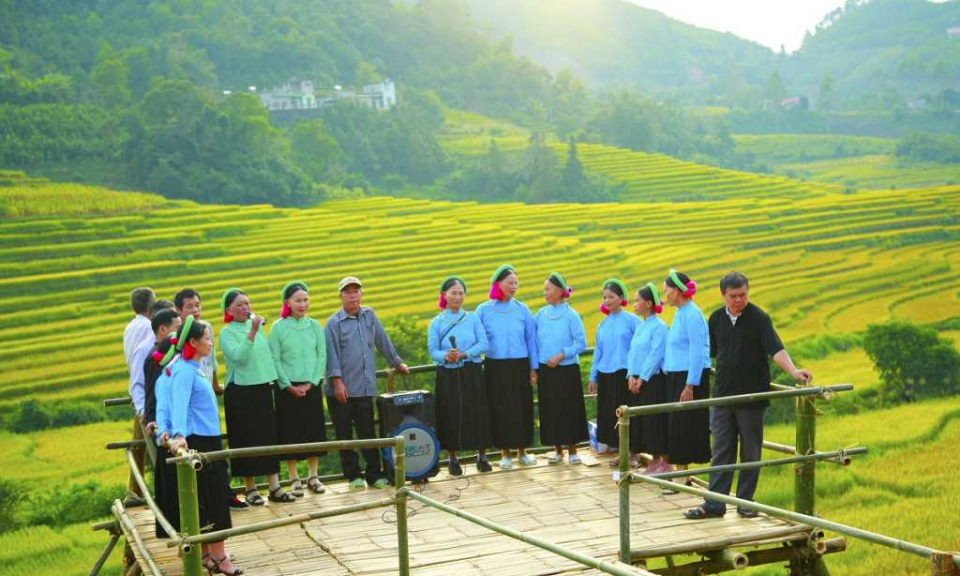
(591, 387)
(403, 369)
(687, 394)
(175, 444)
(803, 375)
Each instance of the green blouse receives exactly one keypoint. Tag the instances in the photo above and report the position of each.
(248, 363)
(299, 350)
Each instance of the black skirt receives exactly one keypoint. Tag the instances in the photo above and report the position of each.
(251, 422)
(165, 491)
(655, 428)
(510, 397)
(612, 393)
(463, 411)
(300, 420)
(213, 486)
(689, 441)
(563, 415)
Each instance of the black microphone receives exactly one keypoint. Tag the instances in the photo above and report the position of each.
(453, 341)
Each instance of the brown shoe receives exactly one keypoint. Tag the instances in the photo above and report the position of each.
(614, 463)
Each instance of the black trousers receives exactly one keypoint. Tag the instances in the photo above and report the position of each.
(728, 424)
(356, 415)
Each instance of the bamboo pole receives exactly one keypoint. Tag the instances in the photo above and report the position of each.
(125, 521)
(618, 569)
(729, 559)
(189, 512)
(805, 473)
(873, 537)
(785, 449)
(102, 559)
(151, 503)
(623, 483)
(753, 465)
(125, 444)
(701, 546)
(399, 485)
(738, 399)
(286, 449)
(111, 525)
(278, 523)
(754, 557)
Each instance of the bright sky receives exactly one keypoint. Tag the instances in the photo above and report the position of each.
(769, 22)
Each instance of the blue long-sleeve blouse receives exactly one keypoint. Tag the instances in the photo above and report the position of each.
(510, 329)
(467, 330)
(560, 329)
(193, 404)
(688, 344)
(647, 348)
(614, 334)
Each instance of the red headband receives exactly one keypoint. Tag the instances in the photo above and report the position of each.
(285, 310)
(496, 293)
(188, 351)
(227, 317)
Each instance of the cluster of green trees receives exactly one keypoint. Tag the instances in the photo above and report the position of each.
(925, 147)
(159, 90)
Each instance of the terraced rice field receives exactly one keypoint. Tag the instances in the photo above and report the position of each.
(828, 262)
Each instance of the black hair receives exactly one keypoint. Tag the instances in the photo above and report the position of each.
(614, 287)
(683, 278)
(733, 280)
(292, 289)
(555, 281)
(163, 317)
(159, 305)
(141, 299)
(646, 294)
(448, 284)
(231, 296)
(196, 331)
(164, 346)
(504, 273)
(180, 297)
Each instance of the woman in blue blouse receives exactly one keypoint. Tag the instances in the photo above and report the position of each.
(510, 367)
(647, 381)
(687, 364)
(194, 420)
(608, 375)
(456, 339)
(560, 340)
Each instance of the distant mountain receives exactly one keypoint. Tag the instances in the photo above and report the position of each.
(881, 50)
(884, 51)
(614, 43)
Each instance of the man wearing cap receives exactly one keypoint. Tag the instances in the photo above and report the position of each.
(352, 333)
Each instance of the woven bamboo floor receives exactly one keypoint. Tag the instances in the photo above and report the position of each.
(572, 506)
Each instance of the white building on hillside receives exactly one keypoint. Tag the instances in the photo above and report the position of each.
(301, 95)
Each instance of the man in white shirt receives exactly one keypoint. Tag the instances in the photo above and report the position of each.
(137, 332)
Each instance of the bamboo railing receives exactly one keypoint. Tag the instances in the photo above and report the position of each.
(805, 554)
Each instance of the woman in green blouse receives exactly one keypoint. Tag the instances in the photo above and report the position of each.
(248, 398)
(299, 350)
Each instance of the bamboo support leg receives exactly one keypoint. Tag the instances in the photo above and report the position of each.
(623, 427)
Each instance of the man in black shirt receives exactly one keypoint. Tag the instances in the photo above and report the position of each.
(742, 338)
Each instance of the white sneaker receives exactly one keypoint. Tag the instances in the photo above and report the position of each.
(555, 458)
(506, 464)
(574, 459)
(528, 460)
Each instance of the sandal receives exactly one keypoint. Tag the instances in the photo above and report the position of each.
(315, 485)
(296, 488)
(614, 463)
(699, 513)
(254, 498)
(635, 461)
(217, 570)
(207, 562)
(278, 495)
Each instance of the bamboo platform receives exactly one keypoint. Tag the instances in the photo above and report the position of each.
(573, 506)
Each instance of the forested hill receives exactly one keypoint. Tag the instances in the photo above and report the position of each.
(878, 53)
(615, 43)
(155, 95)
(891, 50)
